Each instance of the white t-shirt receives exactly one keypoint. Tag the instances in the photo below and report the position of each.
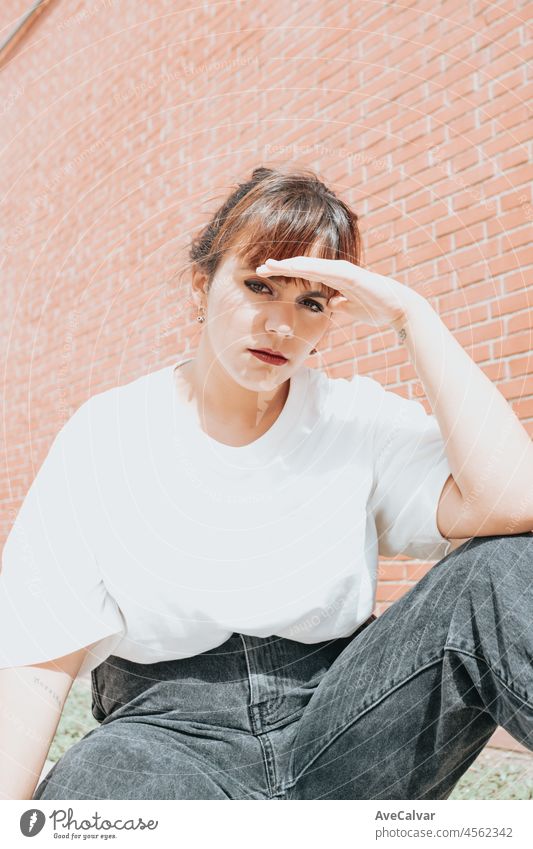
(145, 536)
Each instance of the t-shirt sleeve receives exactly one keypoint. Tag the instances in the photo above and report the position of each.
(53, 599)
(410, 470)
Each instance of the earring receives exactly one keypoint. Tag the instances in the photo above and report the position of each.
(313, 351)
(201, 317)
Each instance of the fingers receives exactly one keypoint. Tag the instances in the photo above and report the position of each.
(337, 301)
(282, 265)
(301, 266)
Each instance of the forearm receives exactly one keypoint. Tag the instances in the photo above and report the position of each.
(489, 451)
(31, 702)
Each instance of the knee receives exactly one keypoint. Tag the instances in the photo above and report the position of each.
(77, 773)
(503, 561)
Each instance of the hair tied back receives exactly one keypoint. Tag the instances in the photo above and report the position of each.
(260, 173)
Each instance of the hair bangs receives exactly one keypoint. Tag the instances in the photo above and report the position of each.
(279, 215)
(286, 232)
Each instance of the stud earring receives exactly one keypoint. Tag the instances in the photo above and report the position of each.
(313, 351)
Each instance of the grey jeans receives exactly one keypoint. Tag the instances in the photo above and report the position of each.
(398, 710)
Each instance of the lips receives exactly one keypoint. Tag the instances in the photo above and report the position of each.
(269, 351)
(267, 356)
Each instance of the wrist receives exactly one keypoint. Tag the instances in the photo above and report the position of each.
(411, 302)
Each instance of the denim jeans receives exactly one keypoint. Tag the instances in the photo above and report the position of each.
(398, 710)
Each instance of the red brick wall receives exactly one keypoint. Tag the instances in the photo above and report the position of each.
(124, 124)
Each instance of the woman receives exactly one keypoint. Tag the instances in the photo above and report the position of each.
(204, 541)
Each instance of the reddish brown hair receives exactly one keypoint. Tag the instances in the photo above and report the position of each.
(278, 214)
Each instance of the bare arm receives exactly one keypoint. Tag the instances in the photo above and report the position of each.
(31, 703)
(489, 451)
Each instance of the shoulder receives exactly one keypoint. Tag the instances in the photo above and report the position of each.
(99, 423)
(104, 404)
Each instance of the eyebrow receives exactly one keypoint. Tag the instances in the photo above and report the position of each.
(316, 293)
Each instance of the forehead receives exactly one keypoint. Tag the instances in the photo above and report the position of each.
(243, 267)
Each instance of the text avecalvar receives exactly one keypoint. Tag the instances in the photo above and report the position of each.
(404, 815)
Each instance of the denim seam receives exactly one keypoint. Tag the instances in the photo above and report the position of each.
(297, 714)
(252, 709)
(250, 682)
(341, 730)
(525, 701)
(268, 759)
(96, 695)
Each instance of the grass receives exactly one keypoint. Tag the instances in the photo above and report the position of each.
(76, 720)
(495, 774)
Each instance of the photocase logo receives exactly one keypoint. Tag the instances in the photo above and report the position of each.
(32, 822)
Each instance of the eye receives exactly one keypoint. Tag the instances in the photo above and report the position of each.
(251, 284)
(319, 307)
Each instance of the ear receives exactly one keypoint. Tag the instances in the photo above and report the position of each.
(199, 286)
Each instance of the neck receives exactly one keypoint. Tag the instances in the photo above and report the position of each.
(219, 398)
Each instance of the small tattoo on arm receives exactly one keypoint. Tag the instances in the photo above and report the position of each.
(50, 690)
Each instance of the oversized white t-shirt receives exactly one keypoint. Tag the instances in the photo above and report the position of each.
(144, 536)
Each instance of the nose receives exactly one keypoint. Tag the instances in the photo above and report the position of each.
(280, 318)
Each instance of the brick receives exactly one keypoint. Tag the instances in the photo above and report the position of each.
(510, 260)
(469, 295)
(407, 372)
(474, 273)
(471, 315)
(520, 321)
(520, 365)
(494, 371)
(417, 200)
(506, 222)
(380, 361)
(386, 339)
(517, 343)
(518, 198)
(519, 388)
(461, 259)
(469, 236)
(516, 280)
(501, 739)
(390, 591)
(458, 222)
(512, 158)
(516, 180)
(391, 572)
(524, 408)
(507, 85)
(479, 332)
(509, 119)
(417, 571)
(479, 353)
(350, 351)
(516, 239)
(512, 303)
